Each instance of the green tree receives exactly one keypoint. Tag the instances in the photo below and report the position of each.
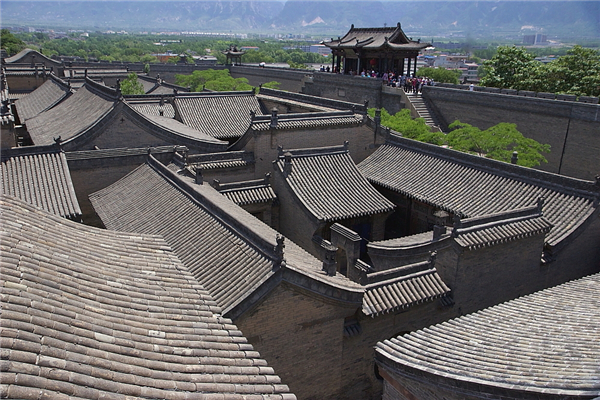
(577, 72)
(131, 85)
(10, 42)
(271, 85)
(440, 74)
(497, 142)
(511, 67)
(219, 80)
(411, 128)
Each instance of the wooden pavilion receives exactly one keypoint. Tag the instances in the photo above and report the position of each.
(234, 56)
(381, 49)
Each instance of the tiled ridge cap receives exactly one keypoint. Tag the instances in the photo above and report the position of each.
(29, 150)
(61, 82)
(314, 151)
(121, 152)
(102, 90)
(305, 98)
(254, 183)
(303, 116)
(560, 183)
(220, 156)
(217, 94)
(264, 245)
(380, 278)
(501, 218)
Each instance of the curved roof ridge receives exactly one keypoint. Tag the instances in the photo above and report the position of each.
(504, 349)
(185, 132)
(102, 90)
(562, 183)
(24, 52)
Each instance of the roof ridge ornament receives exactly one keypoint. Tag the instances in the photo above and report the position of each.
(279, 248)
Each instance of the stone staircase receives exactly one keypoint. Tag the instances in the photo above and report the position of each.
(423, 110)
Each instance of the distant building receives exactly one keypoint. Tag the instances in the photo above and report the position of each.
(538, 38)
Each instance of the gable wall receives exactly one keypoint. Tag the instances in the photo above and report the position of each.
(295, 221)
(121, 131)
(490, 275)
(580, 257)
(264, 144)
(358, 366)
(300, 336)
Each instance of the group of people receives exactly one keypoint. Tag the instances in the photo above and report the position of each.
(410, 84)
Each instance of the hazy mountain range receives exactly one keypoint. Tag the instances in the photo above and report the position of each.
(418, 18)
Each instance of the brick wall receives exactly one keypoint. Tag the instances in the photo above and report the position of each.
(358, 371)
(490, 275)
(264, 143)
(579, 257)
(572, 129)
(289, 79)
(300, 336)
(354, 89)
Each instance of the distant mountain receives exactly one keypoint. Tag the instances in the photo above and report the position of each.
(218, 16)
(418, 18)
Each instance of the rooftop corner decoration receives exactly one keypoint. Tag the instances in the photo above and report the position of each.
(234, 56)
(381, 49)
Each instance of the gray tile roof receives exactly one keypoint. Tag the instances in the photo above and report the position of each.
(81, 111)
(229, 251)
(90, 313)
(41, 179)
(545, 343)
(17, 58)
(402, 287)
(226, 159)
(489, 230)
(472, 186)
(221, 115)
(248, 192)
(308, 120)
(376, 38)
(153, 107)
(179, 129)
(52, 92)
(329, 185)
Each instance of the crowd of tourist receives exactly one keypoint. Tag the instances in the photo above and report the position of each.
(410, 83)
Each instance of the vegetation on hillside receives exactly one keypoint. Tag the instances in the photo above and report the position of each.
(218, 80)
(140, 48)
(577, 72)
(498, 142)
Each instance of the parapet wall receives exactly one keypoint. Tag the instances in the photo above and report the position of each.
(571, 128)
(289, 79)
(353, 89)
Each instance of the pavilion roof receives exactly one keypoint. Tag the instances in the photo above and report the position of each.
(472, 186)
(376, 38)
(329, 185)
(93, 313)
(542, 344)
